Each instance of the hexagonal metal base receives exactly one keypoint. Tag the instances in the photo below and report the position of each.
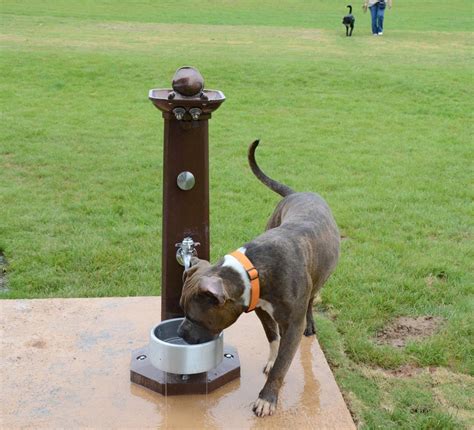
(142, 372)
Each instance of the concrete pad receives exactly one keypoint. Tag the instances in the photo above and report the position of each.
(65, 364)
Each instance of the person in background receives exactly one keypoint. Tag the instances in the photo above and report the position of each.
(377, 11)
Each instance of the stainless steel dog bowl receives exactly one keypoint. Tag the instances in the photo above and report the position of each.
(170, 353)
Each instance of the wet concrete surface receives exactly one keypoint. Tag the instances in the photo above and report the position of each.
(65, 364)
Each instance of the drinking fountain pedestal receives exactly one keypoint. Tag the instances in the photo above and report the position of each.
(186, 110)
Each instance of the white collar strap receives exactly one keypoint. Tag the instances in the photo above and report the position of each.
(231, 261)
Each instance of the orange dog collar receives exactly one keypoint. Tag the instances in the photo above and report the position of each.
(252, 273)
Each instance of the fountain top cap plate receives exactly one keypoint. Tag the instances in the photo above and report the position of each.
(160, 97)
(188, 92)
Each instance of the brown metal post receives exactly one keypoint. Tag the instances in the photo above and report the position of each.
(186, 112)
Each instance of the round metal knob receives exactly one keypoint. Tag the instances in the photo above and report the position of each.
(185, 181)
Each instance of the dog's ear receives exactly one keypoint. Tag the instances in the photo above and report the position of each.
(214, 288)
(192, 275)
(196, 264)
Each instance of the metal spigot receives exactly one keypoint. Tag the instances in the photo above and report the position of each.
(186, 250)
(195, 113)
(179, 113)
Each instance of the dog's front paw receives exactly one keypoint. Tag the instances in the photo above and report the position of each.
(263, 407)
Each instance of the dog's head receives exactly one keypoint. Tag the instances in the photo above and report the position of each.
(206, 302)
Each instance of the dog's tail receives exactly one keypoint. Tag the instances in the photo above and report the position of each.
(350, 9)
(281, 189)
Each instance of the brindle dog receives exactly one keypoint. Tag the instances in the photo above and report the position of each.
(294, 257)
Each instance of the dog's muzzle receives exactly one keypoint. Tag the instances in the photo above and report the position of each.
(193, 333)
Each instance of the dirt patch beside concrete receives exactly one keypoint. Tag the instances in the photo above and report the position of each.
(3, 273)
(405, 371)
(405, 329)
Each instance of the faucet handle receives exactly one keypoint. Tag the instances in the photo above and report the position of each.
(195, 113)
(186, 250)
(188, 243)
(179, 113)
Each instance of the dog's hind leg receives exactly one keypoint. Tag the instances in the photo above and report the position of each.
(273, 335)
(352, 28)
(310, 329)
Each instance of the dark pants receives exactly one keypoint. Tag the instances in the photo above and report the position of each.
(377, 14)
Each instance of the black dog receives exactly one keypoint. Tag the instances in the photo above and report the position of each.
(349, 21)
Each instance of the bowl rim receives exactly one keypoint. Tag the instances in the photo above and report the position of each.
(156, 339)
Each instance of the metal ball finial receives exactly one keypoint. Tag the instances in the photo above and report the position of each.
(187, 81)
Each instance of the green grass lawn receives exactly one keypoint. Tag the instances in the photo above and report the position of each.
(380, 126)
